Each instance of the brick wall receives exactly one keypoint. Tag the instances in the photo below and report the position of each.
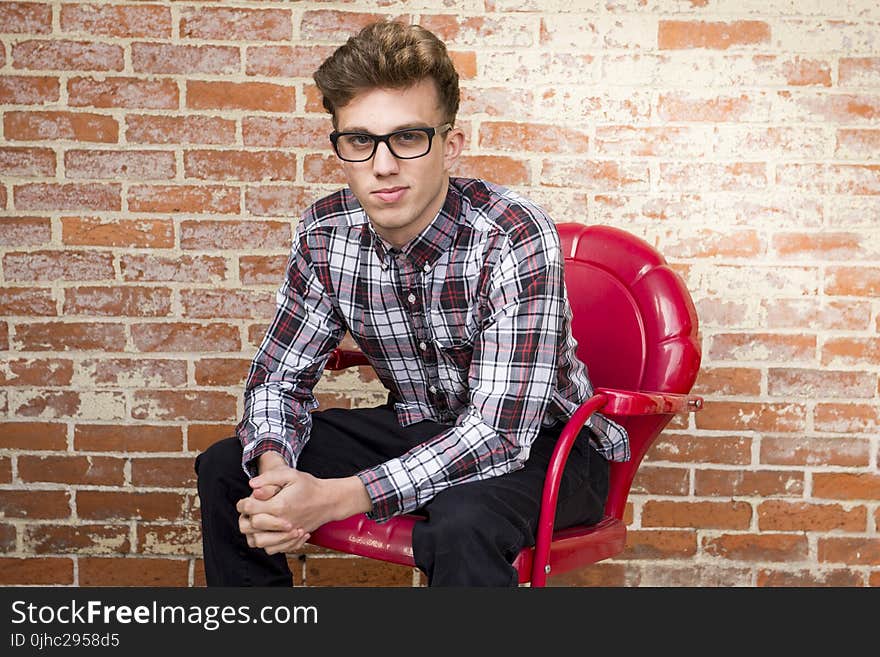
(155, 155)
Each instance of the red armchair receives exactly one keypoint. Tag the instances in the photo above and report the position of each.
(637, 331)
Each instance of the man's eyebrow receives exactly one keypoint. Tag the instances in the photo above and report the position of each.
(404, 126)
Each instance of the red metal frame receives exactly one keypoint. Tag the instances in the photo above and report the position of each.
(637, 331)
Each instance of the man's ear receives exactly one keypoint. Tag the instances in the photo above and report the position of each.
(453, 145)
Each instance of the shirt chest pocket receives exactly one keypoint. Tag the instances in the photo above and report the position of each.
(454, 334)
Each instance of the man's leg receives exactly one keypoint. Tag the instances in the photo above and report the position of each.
(474, 531)
(342, 443)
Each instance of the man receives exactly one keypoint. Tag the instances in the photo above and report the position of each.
(453, 288)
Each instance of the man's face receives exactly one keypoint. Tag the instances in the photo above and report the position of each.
(401, 197)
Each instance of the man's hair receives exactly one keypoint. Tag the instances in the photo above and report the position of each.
(388, 55)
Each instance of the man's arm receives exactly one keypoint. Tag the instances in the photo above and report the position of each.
(278, 395)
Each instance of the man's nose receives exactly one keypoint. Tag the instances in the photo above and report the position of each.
(384, 162)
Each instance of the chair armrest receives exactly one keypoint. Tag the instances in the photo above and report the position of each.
(628, 402)
(343, 358)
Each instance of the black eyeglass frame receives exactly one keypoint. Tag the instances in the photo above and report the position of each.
(385, 139)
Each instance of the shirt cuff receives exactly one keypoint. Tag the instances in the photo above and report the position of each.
(386, 499)
(259, 446)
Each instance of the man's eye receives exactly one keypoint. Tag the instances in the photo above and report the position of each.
(359, 141)
(410, 136)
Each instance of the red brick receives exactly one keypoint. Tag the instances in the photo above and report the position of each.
(602, 574)
(322, 168)
(762, 346)
(650, 480)
(126, 21)
(285, 132)
(69, 196)
(710, 243)
(201, 436)
(261, 270)
(815, 451)
(237, 24)
(748, 483)
(778, 515)
(33, 504)
(684, 106)
(285, 61)
(660, 544)
(218, 304)
(850, 351)
(27, 301)
(847, 418)
(97, 231)
(194, 405)
(117, 301)
(705, 515)
(244, 234)
(27, 162)
(132, 372)
(128, 438)
(159, 472)
(732, 450)
(532, 137)
(25, 18)
(819, 314)
(676, 35)
(33, 435)
(219, 371)
(255, 96)
(758, 547)
(70, 336)
(336, 26)
(189, 199)
(36, 571)
(846, 486)
(35, 372)
(861, 551)
(133, 571)
(597, 175)
(29, 90)
(248, 166)
(723, 381)
(495, 167)
(279, 200)
(107, 505)
(58, 265)
(859, 71)
(24, 231)
(62, 55)
(178, 539)
(179, 130)
(182, 336)
(811, 383)
(57, 126)
(7, 534)
(853, 281)
(189, 269)
(809, 578)
(82, 470)
(76, 539)
(752, 416)
(120, 165)
(70, 404)
(123, 92)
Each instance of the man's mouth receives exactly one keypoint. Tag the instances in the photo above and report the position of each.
(390, 194)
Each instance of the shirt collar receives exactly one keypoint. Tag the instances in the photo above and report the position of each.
(425, 248)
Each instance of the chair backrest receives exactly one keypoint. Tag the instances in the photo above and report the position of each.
(636, 328)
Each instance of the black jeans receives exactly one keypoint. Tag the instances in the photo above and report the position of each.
(471, 534)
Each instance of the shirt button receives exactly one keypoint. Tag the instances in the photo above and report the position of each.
(432, 390)
(411, 298)
(423, 345)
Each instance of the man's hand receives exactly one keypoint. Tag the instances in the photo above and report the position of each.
(288, 504)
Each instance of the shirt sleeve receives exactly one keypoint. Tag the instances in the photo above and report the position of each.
(278, 397)
(511, 380)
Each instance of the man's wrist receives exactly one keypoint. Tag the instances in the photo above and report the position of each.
(270, 460)
(352, 497)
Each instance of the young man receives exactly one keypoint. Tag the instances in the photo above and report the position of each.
(453, 288)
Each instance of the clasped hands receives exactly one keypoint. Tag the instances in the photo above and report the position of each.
(287, 504)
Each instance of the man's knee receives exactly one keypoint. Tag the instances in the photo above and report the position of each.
(221, 457)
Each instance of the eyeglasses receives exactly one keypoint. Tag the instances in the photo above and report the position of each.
(406, 144)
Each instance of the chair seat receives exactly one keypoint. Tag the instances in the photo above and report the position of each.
(392, 541)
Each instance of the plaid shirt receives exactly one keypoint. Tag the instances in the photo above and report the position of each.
(468, 324)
